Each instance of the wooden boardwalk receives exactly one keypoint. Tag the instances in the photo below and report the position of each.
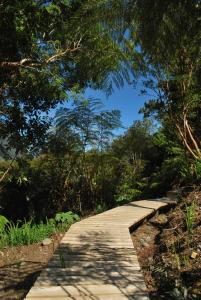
(96, 259)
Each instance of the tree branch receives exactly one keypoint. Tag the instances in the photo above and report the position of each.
(186, 143)
(29, 63)
(9, 168)
(191, 137)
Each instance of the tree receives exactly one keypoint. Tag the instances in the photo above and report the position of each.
(138, 158)
(106, 122)
(166, 36)
(130, 144)
(45, 52)
(84, 119)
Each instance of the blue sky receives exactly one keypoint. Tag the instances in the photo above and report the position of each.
(126, 99)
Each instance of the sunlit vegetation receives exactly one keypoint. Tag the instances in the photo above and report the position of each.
(73, 161)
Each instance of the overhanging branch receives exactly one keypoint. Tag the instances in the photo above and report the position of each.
(29, 63)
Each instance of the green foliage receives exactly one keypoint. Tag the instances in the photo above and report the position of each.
(137, 160)
(127, 194)
(198, 169)
(66, 217)
(72, 171)
(88, 122)
(26, 233)
(174, 166)
(77, 181)
(3, 222)
(45, 54)
(48, 58)
(100, 208)
(164, 38)
(190, 217)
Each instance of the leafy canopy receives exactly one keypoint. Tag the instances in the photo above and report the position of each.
(47, 48)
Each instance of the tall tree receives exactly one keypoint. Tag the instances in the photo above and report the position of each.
(166, 35)
(86, 120)
(48, 47)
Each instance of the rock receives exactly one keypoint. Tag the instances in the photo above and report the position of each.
(143, 243)
(151, 268)
(148, 239)
(46, 242)
(150, 260)
(160, 220)
(194, 254)
(173, 195)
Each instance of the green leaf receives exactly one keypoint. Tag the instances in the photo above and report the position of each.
(3, 222)
(53, 9)
(65, 2)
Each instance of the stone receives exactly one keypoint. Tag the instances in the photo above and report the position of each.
(148, 238)
(160, 220)
(173, 195)
(150, 260)
(143, 243)
(194, 254)
(46, 242)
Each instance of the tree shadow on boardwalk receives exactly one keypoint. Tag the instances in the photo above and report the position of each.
(90, 269)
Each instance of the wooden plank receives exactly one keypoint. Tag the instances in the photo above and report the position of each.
(87, 280)
(102, 271)
(95, 264)
(81, 258)
(97, 297)
(96, 259)
(78, 290)
(94, 251)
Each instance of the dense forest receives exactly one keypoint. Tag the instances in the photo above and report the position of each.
(72, 161)
(59, 150)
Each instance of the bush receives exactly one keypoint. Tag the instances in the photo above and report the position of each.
(127, 195)
(100, 208)
(198, 169)
(45, 185)
(3, 222)
(66, 217)
(26, 233)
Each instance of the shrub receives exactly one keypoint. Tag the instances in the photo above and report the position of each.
(198, 169)
(127, 195)
(3, 222)
(66, 217)
(26, 233)
(100, 208)
(190, 217)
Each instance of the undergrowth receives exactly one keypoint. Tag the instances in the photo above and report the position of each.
(26, 232)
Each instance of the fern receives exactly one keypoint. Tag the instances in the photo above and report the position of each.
(3, 222)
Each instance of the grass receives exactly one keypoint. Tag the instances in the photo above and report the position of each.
(190, 217)
(26, 233)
